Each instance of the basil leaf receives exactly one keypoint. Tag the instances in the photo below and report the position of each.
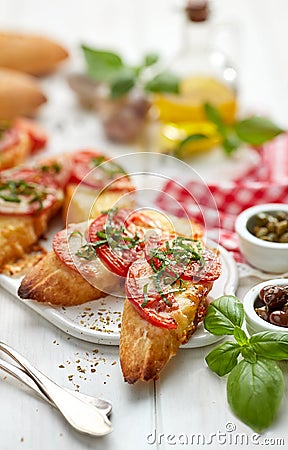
(192, 138)
(248, 354)
(270, 344)
(120, 86)
(163, 82)
(150, 59)
(230, 144)
(257, 130)
(223, 314)
(254, 392)
(223, 358)
(240, 336)
(213, 115)
(102, 65)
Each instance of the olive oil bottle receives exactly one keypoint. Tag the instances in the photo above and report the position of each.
(205, 77)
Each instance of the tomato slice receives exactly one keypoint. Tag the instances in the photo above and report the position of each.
(8, 139)
(37, 135)
(183, 258)
(96, 170)
(124, 232)
(143, 295)
(58, 169)
(29, 174)
(67, 242)
(25, 191)
(211, 270)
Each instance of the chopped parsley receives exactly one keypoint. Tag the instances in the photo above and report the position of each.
(169, 263)
(51, 168)
(110, 168)
(14, 191)
(119, 239)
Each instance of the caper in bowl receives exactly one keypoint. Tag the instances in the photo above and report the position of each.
(263, 236)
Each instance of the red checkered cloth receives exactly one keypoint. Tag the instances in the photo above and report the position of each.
(217, 205)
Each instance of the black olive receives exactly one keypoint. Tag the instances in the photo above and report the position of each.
(263, 312)
(273, 296)
(279, 318)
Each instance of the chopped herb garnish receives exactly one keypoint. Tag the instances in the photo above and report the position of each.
(10, 198)
(170, 261)
(146, 298)
(12, 191)
(75, 233)
(51, 168)
(87, 252)
(109, 167)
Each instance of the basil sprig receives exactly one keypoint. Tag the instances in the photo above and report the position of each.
(109, 67)
(254, 130)
(255, 382)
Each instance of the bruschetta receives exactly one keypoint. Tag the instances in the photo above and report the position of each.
(96, 254)
(166, 298)
(18, 140)
(96, 184)
(28, 199)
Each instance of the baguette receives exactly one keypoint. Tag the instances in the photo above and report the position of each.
(78, 281)
(50, 281)
(144, 348)
(20, 94)
(15, 154)
(19, 139)
(27, 202)
(19, 234)
(51, 268)
(35, 55)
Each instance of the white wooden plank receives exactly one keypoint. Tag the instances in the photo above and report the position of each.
(48, 348)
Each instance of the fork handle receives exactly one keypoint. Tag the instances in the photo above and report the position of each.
(82, 416)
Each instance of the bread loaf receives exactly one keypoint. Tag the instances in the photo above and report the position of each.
(20, 94)
(35, 55)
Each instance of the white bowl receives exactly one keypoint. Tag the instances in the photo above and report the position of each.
(254, 323)
(267, 256)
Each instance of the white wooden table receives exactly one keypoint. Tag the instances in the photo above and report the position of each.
(188, 399)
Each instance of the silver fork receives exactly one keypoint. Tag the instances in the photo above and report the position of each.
(81, 415)
(22, 376)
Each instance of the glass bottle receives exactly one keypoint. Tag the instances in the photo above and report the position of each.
(205, 77)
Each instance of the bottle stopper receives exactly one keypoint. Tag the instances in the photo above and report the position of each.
(197, 10)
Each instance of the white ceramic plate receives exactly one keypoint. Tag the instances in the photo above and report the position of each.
(99, 321)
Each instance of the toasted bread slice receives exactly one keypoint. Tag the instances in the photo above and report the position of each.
(51, 281)
(145, 348)
(19, 234)
(51, 267)
(15, 154)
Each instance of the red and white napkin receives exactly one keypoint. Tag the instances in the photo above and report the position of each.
(267, 183)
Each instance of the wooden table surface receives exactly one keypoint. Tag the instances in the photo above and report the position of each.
(188, 400)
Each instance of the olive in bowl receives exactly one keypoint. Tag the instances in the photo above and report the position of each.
(263, 236)
(266, 306)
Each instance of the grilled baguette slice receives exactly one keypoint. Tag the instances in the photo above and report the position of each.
(15, 154)
(144, 348)
(18, 234)
(51, 281)
(49, 270)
